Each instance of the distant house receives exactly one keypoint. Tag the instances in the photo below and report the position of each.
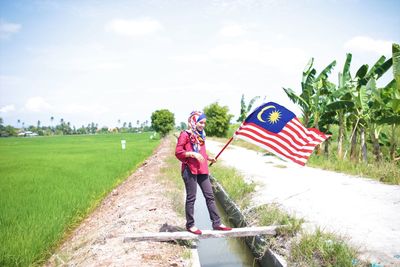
(27, 133)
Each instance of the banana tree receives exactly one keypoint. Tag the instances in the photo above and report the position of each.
(341, 103)
(388, 100)
(312, 89)
(365, 86)
(303, 100)
(395, 102)
(322, 89)
(245, 109)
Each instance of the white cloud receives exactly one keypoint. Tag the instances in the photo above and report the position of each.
(138, 27)
(7, 108)
(368, 44)
(7, 29)
(232, 30)
(37, 104)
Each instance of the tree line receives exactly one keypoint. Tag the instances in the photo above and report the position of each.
(65, 128)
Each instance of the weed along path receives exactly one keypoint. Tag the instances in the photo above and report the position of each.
(364, 211)
(138, 205)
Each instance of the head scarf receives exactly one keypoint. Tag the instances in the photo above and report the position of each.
(197, 138)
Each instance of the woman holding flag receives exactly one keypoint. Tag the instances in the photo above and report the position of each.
(191, 151)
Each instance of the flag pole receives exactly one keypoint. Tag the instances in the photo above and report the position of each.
(230, 140)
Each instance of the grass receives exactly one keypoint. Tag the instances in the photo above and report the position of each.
(386, 172)
(233, 183)
(271, 214)
(323, 249)
(49, 184)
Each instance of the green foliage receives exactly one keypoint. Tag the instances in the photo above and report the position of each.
(49, 184)
(6, 131)
(182, 126)
(218, 120)
(162, 121)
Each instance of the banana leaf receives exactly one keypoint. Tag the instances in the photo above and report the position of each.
(363, 98)
(341, 104)
(328, 69)
(395, 119)
(396, 64)
(383, 68)
(295, 98)
(374, 67)
(361, 72)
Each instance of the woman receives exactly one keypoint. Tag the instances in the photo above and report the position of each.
(191, 151)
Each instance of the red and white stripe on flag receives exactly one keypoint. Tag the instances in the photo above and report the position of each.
(294, 142)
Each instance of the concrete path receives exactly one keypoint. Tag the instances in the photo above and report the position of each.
(365, 211)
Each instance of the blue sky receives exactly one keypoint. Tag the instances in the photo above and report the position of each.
(104, 61)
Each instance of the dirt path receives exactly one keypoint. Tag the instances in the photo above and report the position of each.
(365, 211)
(137, 205)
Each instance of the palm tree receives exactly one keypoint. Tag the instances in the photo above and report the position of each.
(52, 128)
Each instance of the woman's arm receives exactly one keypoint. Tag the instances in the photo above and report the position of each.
(180, 151)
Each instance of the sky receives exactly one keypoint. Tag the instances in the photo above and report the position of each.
(108, 61)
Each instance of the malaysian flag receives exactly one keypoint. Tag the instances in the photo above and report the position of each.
(277, 129)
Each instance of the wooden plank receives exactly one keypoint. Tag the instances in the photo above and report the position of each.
(235, 232)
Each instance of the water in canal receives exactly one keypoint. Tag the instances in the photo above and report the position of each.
(219, 252)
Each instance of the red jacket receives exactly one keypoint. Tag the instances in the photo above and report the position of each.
(184, 146)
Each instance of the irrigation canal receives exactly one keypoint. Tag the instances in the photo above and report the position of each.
(219, 252)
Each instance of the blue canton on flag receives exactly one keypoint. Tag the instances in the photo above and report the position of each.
(277, 129)
(271, 116)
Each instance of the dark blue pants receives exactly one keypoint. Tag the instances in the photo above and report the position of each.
(191, 181)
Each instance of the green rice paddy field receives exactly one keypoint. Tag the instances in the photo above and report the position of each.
(49, 184)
